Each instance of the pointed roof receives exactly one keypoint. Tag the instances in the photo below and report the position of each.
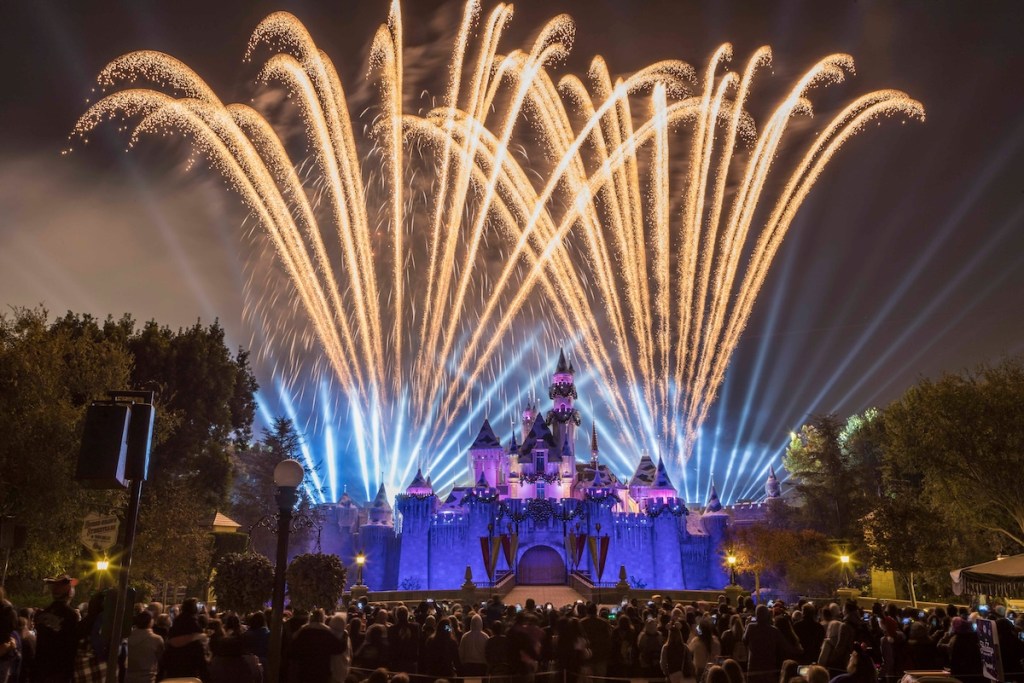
(714, 504)
(562, 366)
(585, 474)
(346, 500)
(661, 480)
(222, 520)
(539, 433)
(486, 438)
(566, 447)
(645, 472)
(513, 445)
(772, 488)
(418, 482)
(601, 478)
(481, 482)
(380, 502)
(593, 438)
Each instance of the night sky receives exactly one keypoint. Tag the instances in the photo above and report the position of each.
(906, 260)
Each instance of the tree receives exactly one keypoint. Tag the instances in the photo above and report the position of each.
(243, 582)
(834, 465)
(797, 559)
(962, 438)
(49, 373)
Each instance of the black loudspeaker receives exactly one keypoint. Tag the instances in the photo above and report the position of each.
(140, 438)
(101, 462)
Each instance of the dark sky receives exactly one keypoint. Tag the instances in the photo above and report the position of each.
(907, 259)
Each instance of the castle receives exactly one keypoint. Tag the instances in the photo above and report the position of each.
(533, 508)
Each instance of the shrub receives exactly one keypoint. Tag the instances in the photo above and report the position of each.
(316, 580)
(243, 583)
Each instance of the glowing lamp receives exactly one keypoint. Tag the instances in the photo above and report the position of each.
(288, 474)
(102, 565)
(731, 560)
(360, 559)
(845, 559)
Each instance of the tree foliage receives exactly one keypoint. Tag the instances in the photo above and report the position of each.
(243, 582)
(48, 375)
(834, 467)
(798, 559)
(959, 441)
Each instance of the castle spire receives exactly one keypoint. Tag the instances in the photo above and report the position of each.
(563, 366)
(593, 441)
(714, 504)
(772, 488)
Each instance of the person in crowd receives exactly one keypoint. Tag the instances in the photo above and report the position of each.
(572, 651)
(921, 651)
(859, 669)
(494, 610)
(497, 651)
(229, 661)
(648, 647)
(403, 642)
(716, 674)
(356, 635)
(56, 633)
(816, 674)
(704, 645)
(373, 653)
(835, 649)
(472, 646)
(185, 654)
(440, 657)
(623, 655)
(599, 634)
(312, 649)
(732, 645)
(341, 661)
(766, 647)
(28, 648)
(963, 651)
(790, 670)
(734, 671)
(810, 633)
(256, 638)
(143, 650)
(893, 646)
(10, 639)
(525, 639)
(676, 659)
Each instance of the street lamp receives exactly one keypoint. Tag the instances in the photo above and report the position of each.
(845, 561)
(287, 477)
(102, 565)
(360, 562)
(731, 560)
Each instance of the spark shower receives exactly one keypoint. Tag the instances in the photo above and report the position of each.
(632, 218)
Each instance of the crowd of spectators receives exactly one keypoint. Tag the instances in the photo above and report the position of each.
(436, 642)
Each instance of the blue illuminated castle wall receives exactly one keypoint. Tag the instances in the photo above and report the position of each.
(535, 485)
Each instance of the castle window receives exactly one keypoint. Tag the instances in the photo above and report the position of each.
(540, 464)
(540, 489)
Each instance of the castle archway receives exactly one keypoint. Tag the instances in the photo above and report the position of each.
(541, 565)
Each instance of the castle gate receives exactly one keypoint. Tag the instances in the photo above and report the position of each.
(540, 565)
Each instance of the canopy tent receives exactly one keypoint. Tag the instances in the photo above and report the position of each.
(1003, 577)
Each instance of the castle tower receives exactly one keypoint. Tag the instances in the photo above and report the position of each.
(593, 445)
(419, 486)
(772, 488)
(529, 416)
(643, 478)
(416, 509)
(487, 458)
(662, 486)
(668, 528)
(715, 520)
(563, 419)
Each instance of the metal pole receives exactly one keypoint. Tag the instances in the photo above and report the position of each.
(121, 597)
(285, 501)
(7, 561)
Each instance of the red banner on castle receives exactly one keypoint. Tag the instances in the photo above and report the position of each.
(598, 554)
(489, 550)
(510, 546)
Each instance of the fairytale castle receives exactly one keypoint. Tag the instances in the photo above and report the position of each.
(533, 508)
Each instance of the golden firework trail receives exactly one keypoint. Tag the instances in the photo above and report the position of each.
(641, 228)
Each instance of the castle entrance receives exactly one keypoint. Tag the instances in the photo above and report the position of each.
(541, 565)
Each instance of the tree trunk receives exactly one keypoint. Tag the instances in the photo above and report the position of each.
(913, 594)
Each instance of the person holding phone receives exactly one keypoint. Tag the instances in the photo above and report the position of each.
(963, 651)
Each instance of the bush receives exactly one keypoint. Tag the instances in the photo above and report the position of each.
(316, 580)
(243, 583)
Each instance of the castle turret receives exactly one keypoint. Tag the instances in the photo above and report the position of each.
(642, 479)
(772, 488)
(487, 458)
(662, 486)
(715, 521)
(563, 419)
(419, 486)
(381, 513)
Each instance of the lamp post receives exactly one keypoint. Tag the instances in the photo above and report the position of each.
(360, 563)
(731, 560)
(845, 561)
(287, 477)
